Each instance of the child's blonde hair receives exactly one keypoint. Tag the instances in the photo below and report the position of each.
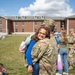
(64, 36)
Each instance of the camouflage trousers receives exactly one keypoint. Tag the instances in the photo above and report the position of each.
(71, 56)
(51, 70)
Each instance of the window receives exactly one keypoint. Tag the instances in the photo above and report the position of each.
(22, 23)
(0, 29)
(62, 24)
(42, 23)
(35, 23)
(35, 30)
(19, 17)
(0, 21)
(23, 30)
(35, 17)
(16, 23)
(25, 17)
(42, 17)
(16, 30)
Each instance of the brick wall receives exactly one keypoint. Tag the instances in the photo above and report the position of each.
(3, 25)
(72, 23)
(29, 25)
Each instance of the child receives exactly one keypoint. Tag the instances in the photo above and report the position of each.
(3, 71)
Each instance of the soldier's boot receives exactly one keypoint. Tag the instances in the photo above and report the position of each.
(70, 67)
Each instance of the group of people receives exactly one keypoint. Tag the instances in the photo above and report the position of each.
(43, 49)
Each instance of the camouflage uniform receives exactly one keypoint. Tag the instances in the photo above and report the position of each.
(71, 54)
(49, 22)
(46, 52)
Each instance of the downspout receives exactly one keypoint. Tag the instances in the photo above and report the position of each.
(33, 25)
(6, 26)
(67, 26)
(14, 27)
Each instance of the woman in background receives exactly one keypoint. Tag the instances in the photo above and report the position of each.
(63, 51)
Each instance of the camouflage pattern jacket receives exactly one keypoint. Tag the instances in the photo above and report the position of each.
(71, 38)
(46, 52)
(71, 46)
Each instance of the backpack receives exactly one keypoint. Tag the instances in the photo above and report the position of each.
(24, 44)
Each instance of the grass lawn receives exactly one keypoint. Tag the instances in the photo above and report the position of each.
(10, 56)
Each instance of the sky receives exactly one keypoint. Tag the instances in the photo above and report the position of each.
(53, 8)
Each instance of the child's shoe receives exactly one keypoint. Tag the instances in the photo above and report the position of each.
(58, 74)
(64, 73)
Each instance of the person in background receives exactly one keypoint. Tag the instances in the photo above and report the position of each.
(71, 55)
(58, 35)
(63, 51)
(46, 51)
(41, 33)
(3, 71)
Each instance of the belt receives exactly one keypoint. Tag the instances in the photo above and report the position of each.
(71, 43)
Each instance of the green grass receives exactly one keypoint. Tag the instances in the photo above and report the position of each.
(10, 56)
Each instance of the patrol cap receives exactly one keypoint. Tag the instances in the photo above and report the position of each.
(71, 29)
(49, 22)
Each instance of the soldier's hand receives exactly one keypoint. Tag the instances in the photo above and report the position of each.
(30, 68)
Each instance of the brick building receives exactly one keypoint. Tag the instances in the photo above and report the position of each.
(27, 24)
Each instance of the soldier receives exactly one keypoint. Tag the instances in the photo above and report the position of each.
(71, 39)
(42, 33)
(46, 52)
